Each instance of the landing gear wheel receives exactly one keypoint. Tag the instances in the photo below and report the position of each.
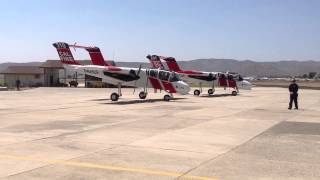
(210, 91)
(234, 93)
(196, 92)
(142, 95)
(114, 97)
(167, 97)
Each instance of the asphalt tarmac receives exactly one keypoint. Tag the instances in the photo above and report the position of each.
(78, 133)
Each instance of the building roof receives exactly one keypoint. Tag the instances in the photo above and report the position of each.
(52, 64)
(22, 70)
(58, 65)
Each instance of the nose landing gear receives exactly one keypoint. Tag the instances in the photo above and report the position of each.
(196, 92)
(167, 97)
(234, 93)
(114, 97)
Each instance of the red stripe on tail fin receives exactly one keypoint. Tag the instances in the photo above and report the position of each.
(172, 64)
(96, 56)
(65, 54)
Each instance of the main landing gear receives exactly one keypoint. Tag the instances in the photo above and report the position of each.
(115, 96)
(210, 91)
(143, 95)
(197, 92)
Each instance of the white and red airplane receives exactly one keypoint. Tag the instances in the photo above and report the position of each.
(135, 77)
(213, 79)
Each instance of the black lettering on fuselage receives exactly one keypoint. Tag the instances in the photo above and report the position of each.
(91, 71)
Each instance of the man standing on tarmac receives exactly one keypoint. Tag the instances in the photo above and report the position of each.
(293, 89)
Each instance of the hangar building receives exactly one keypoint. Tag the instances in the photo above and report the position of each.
(51, 73)
(28, 76)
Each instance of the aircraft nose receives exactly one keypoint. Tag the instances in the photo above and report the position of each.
(182, 87)
(245, 85)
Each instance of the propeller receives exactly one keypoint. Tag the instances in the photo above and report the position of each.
(139, 70)
(211, 77)
(74, 46)
(147, 80)
(227, 78)
(137, 75)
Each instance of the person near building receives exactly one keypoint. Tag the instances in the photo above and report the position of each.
(18, 84)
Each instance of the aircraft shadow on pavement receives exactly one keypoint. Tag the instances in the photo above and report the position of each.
(137, 101)
(102, 99)
(216, 95)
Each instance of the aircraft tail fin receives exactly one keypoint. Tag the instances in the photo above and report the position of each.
(172, 64)
(65, 54)
(155, 61)
(96, 56)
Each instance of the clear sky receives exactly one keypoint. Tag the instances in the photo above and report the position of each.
(262, 30)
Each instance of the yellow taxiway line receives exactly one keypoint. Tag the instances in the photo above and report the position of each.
(106, 167)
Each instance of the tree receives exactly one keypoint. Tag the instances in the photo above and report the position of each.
(305, 76)
(312, 75)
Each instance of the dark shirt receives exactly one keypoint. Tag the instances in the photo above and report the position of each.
(294, 88)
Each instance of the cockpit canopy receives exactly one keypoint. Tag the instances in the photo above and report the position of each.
(237, 77)
(231, 76)
(164, 75)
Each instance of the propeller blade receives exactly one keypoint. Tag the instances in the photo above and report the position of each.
(135, 82)
(139, 70)
(74, 46)
(147, 79)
